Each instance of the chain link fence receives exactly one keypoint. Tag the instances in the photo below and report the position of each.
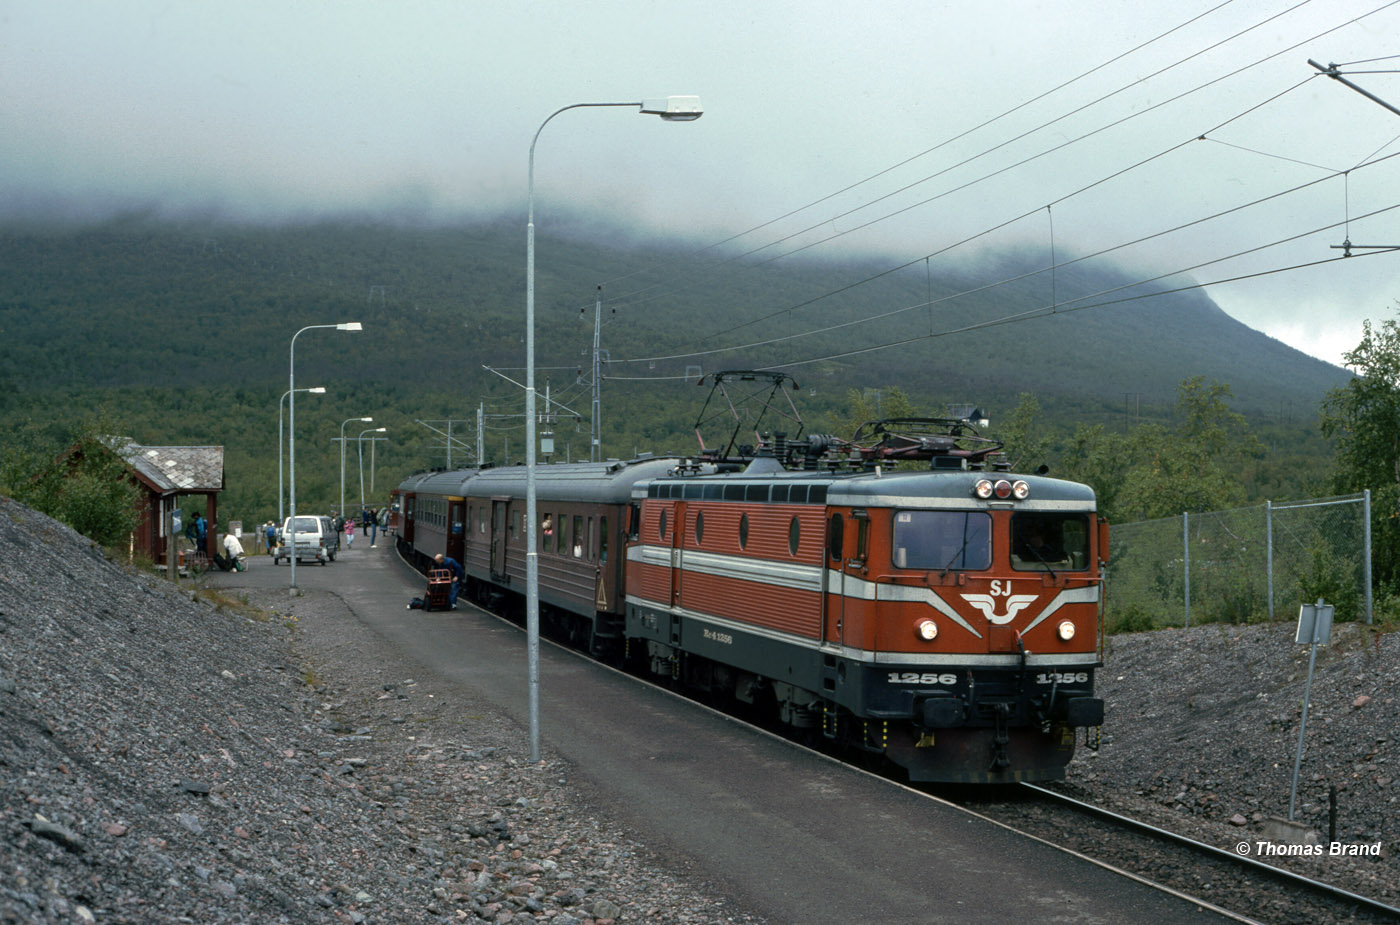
(1245, 565)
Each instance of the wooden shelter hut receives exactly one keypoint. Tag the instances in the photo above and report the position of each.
(166, 473)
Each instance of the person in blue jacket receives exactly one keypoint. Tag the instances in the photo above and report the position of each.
(455, 567)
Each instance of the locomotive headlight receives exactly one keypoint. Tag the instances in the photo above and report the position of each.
(983, 489)
(1066, 630)
(928, 630)
(1020, 490)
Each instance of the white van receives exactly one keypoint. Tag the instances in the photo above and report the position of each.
(315, 536)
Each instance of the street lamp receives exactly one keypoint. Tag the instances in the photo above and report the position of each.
(319, 390)
(372, 430)
(342, 459)
(672, 109)
(292, 431)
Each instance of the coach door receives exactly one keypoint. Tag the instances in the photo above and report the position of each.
(456, 529)
(677, 538)
(498, 537)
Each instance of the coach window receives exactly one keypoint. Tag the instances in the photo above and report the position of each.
(794, 535)
(546, 533)
(602, 539)
(942, 540)
(563, 547)
(699, 528)
(590, 539)
(578, 536)
(514, 524)
(481, 513)
(835, 536)
(634, 521)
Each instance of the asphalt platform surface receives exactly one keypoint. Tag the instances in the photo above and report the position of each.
(795, 836)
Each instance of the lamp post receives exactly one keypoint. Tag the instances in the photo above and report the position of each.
(673, 109)
(372, 430)
(318, 390)
(342, 459)
(292, 432)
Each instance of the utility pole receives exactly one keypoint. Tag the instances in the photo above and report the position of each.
(596, 451)
(453, 441)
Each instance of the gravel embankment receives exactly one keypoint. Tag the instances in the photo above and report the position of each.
(167, 759)
(1202, 734)
(163, 760)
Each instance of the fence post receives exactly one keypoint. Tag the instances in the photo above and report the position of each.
(1366, 555)
(1186, 562)
(1269, 551)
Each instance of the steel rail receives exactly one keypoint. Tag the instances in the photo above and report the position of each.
(1317, 886)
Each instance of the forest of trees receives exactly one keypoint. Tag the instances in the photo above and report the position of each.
(178, 335)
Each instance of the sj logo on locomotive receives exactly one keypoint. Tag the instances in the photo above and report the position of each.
(987, 603)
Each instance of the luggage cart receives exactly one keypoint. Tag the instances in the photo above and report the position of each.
(439, 589)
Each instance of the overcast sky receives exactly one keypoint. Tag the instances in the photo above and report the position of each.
(1182, 111)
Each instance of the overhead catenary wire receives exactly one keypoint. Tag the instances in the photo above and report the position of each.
(1061, 307)
(1100, 253)
(947, 141)
(895, 269)
(1054, 264)
(1038, 128)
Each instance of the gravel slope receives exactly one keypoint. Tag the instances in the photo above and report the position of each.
(164, 759)
(1202, 733)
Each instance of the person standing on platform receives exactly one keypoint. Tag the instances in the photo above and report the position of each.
(455, 567)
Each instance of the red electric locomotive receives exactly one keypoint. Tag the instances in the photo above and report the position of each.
(948, 619)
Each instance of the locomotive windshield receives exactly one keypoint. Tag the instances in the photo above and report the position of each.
(1050, 542)
(942, 540)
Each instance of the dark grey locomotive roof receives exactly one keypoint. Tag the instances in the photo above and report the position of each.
(607, 482)
(924, 488)
(915, 489)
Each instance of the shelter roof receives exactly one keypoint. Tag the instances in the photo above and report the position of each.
(175, 468)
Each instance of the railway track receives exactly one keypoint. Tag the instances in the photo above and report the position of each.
(1242, 887)
(1236, 886)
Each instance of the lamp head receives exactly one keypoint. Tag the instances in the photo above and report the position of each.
(675, 108)
(318, 390)
(350, 326)
(366, 420)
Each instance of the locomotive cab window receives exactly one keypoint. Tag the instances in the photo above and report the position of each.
(942, 540)
(1049, 542)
